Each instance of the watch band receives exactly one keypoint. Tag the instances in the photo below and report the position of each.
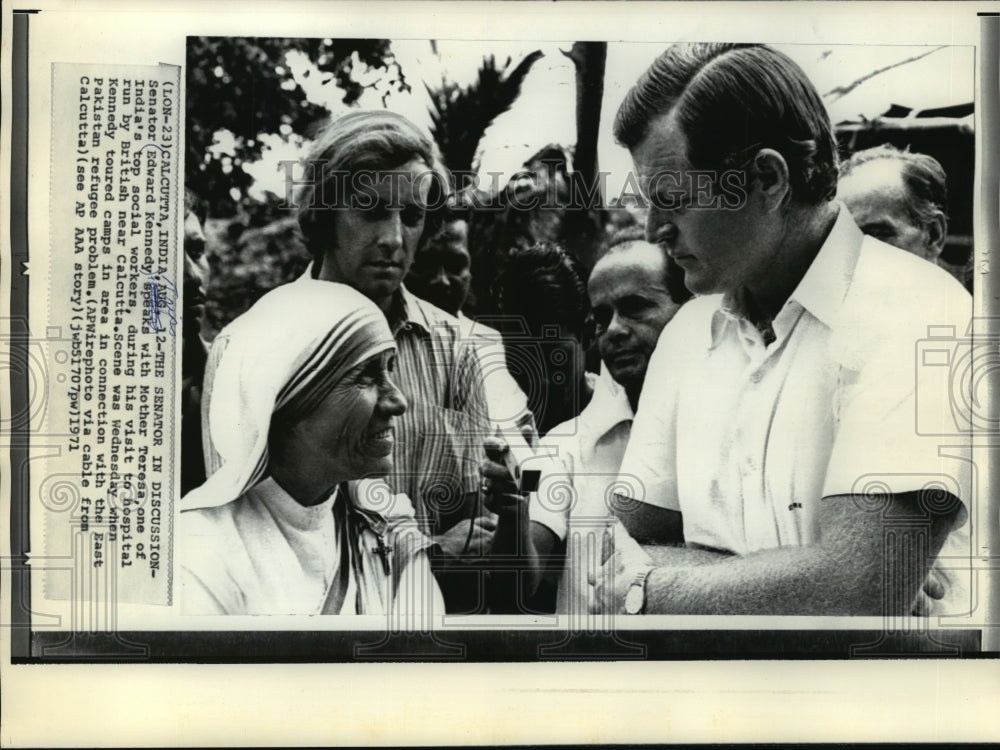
(635, 597)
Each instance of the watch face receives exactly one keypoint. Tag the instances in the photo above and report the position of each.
(633, 600)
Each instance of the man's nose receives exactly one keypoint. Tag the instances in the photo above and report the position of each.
(193, 271)
(660, 230)
(194, 236)
(617, 327)
(391, 232)
(438, 277)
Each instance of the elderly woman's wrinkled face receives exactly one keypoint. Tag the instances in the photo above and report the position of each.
(351, 429)
(377, 235)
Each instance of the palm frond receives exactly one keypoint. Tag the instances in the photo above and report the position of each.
(460, 115)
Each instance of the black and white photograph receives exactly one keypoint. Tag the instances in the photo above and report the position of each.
(701, 250)
(567, 346)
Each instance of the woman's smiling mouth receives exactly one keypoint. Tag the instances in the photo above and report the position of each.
(380, 442)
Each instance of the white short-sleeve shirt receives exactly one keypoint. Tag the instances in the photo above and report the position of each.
(505, 401)
(745, 439)
(574, 492)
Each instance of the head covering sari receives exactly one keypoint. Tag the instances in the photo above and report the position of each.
(283, 357)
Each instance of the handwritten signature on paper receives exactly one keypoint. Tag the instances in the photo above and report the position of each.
(161, 305)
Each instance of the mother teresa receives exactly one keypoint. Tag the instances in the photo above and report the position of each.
(302, 405)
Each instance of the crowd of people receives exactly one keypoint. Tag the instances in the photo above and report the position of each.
(717, 417)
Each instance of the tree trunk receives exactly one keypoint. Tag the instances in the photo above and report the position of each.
(584, 221)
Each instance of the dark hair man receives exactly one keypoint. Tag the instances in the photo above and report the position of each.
(898, 197)
(442, 269)
(542, 297)
(441, 274)
(781, 427)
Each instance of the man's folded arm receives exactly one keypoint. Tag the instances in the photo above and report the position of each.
(683, 556)
(865, 562)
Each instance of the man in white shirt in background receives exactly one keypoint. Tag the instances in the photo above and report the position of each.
(634, 292)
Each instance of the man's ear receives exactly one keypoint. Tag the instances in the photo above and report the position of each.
(937, 231)
(771, 177)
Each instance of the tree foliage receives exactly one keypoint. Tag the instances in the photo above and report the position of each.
(244, 85)
(460, 115)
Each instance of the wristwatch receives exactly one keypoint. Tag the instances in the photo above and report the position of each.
(635, 597)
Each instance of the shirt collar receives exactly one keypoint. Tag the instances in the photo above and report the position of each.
(408, 311)
(608, 407)
(824, 287)
(821, 291)
(404, 309)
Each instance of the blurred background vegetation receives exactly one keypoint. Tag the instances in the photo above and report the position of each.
(247, 97)
(254, 102)
(244, 88)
